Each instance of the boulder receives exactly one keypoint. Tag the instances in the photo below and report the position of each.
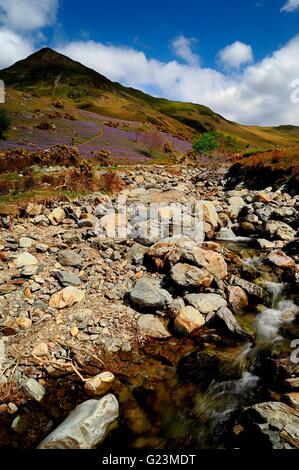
(57, 216)
(210, 260)
(189, 320)
(279, 259)
(237, 298)
(210, 214)
(69, 258)
(251, 289)
(270, 425)
(206, 303)
(148, 293)
(225, 321)
(66, 297)
(152, 326)
(185, 275)
(86, 426)
(281, 230)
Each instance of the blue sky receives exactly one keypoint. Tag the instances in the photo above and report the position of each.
(239, 57)
(151, 26)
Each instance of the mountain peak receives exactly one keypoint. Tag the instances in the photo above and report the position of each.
(46, 65)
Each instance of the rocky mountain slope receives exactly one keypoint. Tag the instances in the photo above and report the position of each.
(47, 75)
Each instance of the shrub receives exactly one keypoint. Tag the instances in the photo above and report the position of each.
(152, 140)
(206, 143)
(87, 169)
(111, 183)
(5, 122)
(103, 157)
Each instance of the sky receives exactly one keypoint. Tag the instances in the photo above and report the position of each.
(239, 57)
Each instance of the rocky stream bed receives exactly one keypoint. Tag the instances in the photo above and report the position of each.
(152, 339)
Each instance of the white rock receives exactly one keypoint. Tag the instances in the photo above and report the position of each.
(33, 389)
(25, 259)
(25, 242)
(85, 427)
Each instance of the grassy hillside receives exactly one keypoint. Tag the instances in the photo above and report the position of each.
(46, 76)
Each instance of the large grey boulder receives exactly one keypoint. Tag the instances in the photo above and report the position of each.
(206, 303)
(271, 425)
(149, 294)
(225, 320)
(85, 427)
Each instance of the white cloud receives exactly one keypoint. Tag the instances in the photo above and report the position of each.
(235, 55)
(27, 15)
(182, 46)
(257, 93)
(13, 47)
(260, 94)
(290, 5)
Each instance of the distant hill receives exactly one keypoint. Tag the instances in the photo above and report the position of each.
(48, 75)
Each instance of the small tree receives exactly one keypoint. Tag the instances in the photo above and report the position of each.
(152, 140)
(5, 122)
(206, 143)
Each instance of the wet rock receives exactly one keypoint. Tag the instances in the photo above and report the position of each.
(25, 259)
(33, 389)
(206, 303)
(66, 297)
(86, 426)
(251, 289)
(99, 384)
(67, 279)
(69, 258)
(279, 259)
(271, 425)
(237, 298)
(291, 399)
(189, 320)
(185, 275)
(148, 293)
(225, 321)
(153, 327)
(292, 384)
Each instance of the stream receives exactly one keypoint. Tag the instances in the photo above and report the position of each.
(192, 402)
